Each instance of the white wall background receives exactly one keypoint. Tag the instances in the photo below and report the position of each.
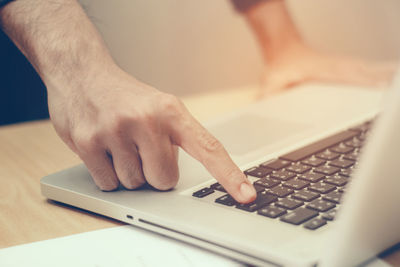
(186, 46)
(179, 46)
(366, 28)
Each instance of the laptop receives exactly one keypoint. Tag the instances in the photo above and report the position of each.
(318, 202)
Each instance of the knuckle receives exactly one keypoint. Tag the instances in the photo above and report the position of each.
(86, 142)
(169, 101)
(121, 124)
(68, 140)
(143, 118)
(210, 143)
(115, 124)
(117, 121)
(170, 105)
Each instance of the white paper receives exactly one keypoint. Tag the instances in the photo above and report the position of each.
(376, 262)
(117, 246)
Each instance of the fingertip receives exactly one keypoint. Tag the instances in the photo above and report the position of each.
(106, 180)
(164, 179)
(238, 186)
(247, 193)
(133, 184)
(164, 184)
(111, 186)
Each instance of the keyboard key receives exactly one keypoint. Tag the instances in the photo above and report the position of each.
(250, 207)
(327, 155)
(262, 200)
(329, 215)
(312, 177)
(352, 156)
(276, 164)
(305, 195)
(333, 197)
(342, 148)
(346, 172)
(258, 188)
(313, 161)
(321, 188)
(282, 175)
(298, 216)
(363, 136)
(313, 148)
(271, 211)
(315, 223)
(288, 203)
(341, 163)
(321, 205)
(336, 180)
(259, 172)
(316, 175)
(267, 182)
(355, 142)
(203, 192)
(327, 170)
(298, 168)
(280, 191)
(226, 200)
(296, 184)
(218, 187)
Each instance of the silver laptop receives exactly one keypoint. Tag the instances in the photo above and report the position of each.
(300, 149)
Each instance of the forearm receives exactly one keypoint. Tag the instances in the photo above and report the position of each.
(273, 28)
(57, 38)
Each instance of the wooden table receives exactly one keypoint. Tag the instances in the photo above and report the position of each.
(29, 151)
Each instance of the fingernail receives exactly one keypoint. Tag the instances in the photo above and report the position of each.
(247, 191)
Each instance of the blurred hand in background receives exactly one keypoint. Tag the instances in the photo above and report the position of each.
(290, 61)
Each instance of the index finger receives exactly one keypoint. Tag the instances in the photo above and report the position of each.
(200, 144)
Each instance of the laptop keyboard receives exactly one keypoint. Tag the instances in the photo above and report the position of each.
(305, 186)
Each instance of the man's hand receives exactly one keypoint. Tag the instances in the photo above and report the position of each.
(128, 132)
(289, 61)
(300, 64)
(124, 131)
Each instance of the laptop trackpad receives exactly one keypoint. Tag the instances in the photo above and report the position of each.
(250, 132)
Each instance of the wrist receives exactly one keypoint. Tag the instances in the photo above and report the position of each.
(75, 69)
(274, 29)
(290, 52)
(58, 39)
